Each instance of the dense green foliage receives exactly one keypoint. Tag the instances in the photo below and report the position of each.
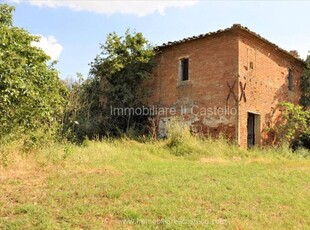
(116, 77)
(122, 66)
(32, 96)
(305, 85)
(295, 121)
(294, 127)
(84, 117)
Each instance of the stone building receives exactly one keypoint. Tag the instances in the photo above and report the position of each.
(230, 81)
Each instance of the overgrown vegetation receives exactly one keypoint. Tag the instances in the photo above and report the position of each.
(32, 97)
(122, 184)
(115, 82)
(294, 127)
(184, 181)
(305, 85)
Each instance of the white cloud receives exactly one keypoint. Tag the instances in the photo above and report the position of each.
(139, 8)
(50, 46)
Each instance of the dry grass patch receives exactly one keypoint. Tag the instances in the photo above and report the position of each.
(129, 185)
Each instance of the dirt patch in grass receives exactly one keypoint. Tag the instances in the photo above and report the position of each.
(22, 183)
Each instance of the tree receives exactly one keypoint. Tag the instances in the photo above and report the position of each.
(295, 122)
(83, 115)
(117, 75)
(294, 128)
(305, 85)
(32, 96)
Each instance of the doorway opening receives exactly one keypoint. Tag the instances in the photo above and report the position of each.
(253, 128)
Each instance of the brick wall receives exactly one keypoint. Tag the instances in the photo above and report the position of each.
(213, 64)
(264, 70)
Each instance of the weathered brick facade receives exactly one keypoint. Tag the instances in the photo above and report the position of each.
(236, 80)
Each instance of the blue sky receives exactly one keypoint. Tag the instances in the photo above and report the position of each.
(73, 29)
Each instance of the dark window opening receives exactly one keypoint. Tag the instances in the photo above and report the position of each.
(251, 65)
(184, 69)
(290, 80)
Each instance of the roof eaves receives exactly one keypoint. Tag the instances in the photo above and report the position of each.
(234, 26)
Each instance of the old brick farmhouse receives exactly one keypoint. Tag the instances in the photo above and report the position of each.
(230, 81)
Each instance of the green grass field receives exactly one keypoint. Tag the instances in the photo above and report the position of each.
(125, 184)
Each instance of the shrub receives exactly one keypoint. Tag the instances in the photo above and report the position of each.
(180, 140)
(295, 122)
(302, 142)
